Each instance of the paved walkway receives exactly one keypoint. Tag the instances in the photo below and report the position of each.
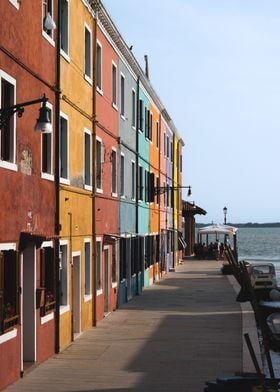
(180, 332)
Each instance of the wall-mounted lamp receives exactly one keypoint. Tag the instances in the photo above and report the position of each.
(43, 123)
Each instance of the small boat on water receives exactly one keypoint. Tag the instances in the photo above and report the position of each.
(263, 278)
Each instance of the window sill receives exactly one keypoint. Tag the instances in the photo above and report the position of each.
(46, 176)
(88, 187)
(99, 90)
(114, 194)
(114, 285)
(47, 318)
(115, 106)
(87, 297)
(98, 190)
(88, 79)
(9, 165)
(65, 56)
(64, 309)
(123, 117)
(64, 181)
(99, 292)
(8, 336)
(15, 3)
(48, 38)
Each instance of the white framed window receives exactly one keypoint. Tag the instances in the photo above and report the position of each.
(99, 67)
(132, 180)
(151, 127)
(8, 131)
(64, 273)
(167, 146)
(15, 3)
(88, 54)
(99, 161)
(157, 135)
(87, 270)
(171, 151)
(64, 149)
(122, 190)
(99, 265)
(87, 160)
(140, 185)
(114, 85)
(141, 114)
(158, 186)
(133, 109)
(122, 96)
(64, 41)
(114, 264)
(164, 144)
(48, 24)
(114, 171)
(47, 150)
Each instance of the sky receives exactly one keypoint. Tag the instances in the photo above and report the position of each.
(215, 65)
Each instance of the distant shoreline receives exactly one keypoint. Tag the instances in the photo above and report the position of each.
(245, 225)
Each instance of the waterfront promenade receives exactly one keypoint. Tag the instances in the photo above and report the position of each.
(179, 333)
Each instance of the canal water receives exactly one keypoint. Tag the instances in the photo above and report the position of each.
(262, 244)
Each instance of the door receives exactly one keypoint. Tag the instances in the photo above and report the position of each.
(106, 280)
(29, 306)
(76, 295)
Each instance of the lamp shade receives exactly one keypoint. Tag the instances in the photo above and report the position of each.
(43, 123)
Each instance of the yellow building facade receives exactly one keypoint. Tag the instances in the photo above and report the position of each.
(76, 195)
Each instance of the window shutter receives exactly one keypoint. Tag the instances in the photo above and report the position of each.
(151, 187)
(42, 267)
(1, 289)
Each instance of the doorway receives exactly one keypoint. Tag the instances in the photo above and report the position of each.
(106, 280)
(76, 295)
(28, 307)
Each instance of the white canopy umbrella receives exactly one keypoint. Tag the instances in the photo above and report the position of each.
(218, 229)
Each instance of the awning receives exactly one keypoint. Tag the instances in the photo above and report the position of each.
(218, 229)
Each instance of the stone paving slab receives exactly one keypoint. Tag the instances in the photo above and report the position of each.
(179, 333)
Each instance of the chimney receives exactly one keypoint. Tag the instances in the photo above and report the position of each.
(147, 66)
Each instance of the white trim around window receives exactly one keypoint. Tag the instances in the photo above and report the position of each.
(114, 85)
(64, 274)
(122, 176)
(87, 160)
(101, 157)
(48, 36)
(122, 96)
(64, 180)
(10, 165)
(99, 84)
(48, 175)
(87, 270)
(99, 291)
(133, 109)
(65, 30)
(115, 174)
(88, 54)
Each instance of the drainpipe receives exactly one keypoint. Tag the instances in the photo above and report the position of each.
(57, 175)
(94, 270)
(137, 180)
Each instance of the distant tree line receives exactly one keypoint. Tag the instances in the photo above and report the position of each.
(249, 224)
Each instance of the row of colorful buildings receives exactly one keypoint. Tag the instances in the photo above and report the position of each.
(91, 212)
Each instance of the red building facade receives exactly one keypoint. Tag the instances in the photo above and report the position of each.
(27, 292)
(107, 161)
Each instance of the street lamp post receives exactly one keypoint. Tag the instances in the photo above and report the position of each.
(225, 215)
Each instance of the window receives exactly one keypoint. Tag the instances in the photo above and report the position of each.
(122, 176)
(47, 270)
(114, 171)
(132, 180)
(123, 242)
(98, 265)
(133, 123)
(99, 67)
(122, 95)
(47, 19)
(157, 185)
(164, 195)
(8, 131)
(151, 127)
(47, 152)
(147, 122)
(141, 113)
(9, 289)
(65, 26)
(171, 151)
(87, 258)
(114, 262)
(181, 163)
(88, 55)
(63, 146)
(146, 186)
(87, 159)
(114, 85)
(157, 135)
(164, 144)
(167, 146)
(98, 164)
(64, 274)
(140, 183)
